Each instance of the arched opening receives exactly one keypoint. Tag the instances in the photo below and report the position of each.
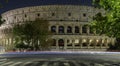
(84, 43)
(104, 43)
(61, 42)
(99, 42)
(84, 29)
(69, 42)
(77, 42)
(61, 29)
(93, 43)
(76, 29)
(69, 29)
(53, 29)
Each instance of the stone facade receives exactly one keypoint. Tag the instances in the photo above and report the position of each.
(68, 22)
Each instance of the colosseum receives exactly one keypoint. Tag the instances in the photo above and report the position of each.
(68, 20)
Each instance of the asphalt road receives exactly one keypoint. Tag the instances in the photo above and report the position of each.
(60, 59)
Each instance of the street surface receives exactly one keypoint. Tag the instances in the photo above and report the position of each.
(60, 59)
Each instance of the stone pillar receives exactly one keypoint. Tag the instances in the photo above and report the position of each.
(11, 42)
(57, 29)
(88, 43)
(2, 42)
(88, 46)
(5, 41)
(103, 42)
(100, 43)
(57, 46)
(73, 44)
(95, 44)
(80, 41)
(65, 29)
(107, 42)
(65, 44)
(8, 41)
(73, 29)
(80, 29)
(88, 30)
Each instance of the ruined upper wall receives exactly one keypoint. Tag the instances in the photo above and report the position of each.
(51, 12)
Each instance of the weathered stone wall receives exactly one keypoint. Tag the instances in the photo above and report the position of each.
(57, 15)
(51, 12)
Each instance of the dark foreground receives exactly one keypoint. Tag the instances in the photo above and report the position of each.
(60, 59)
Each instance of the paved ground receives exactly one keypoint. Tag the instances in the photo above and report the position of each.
(61, 59)
(53, 62)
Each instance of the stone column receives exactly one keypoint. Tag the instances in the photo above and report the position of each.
(65, 29)
(103, 42)
(57, 46)
(80, 41)
(95, 44)
(88, 30)
(88, 46)
(80, 29)
(73, 44)
(5, 41)
(8, 41)
(100, 43)
(57, 29)
(2, 42)
(11, 42)
(107, 43)
(65, 44)
(88, 42)
(73, 29)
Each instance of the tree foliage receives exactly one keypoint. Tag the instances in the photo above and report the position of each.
(109, 23)
(99, 23)
(1, 21)
(33, 33)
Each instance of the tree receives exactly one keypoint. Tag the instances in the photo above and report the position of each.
(1, 21)
(99, 24)
(33, 33)
(109, 23)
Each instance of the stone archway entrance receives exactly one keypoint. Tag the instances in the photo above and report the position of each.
(61, 43)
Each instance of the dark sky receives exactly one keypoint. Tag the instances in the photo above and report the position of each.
(13, 4)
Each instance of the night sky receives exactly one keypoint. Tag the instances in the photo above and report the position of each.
(13, 4)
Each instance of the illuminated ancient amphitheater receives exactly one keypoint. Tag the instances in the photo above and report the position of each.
(69, 22)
